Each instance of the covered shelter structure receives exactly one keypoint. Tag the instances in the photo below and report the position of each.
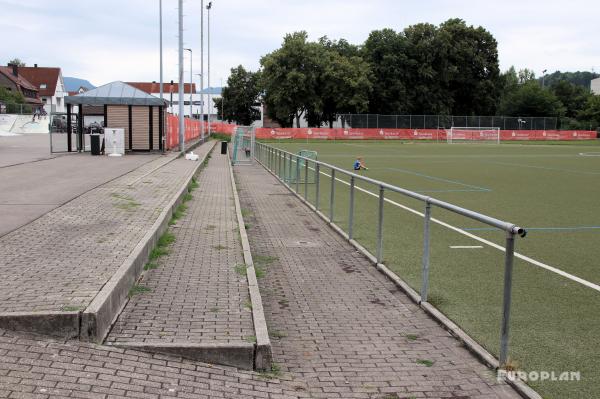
(140, 114)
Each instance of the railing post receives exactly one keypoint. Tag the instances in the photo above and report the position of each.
(297, 175)
(318, 185)
(426, 237)
(508, 271)
(270, 159)
(306, 179)
(279, 163)
(332, 195)
(351, 209)
(284, 177)
(380, 226)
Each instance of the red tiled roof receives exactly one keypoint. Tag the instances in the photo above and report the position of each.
(42, 75)
(154, 87)
(18, 80)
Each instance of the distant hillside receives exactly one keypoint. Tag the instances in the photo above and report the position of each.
(580, 78)
(212, 90)
(73, 84)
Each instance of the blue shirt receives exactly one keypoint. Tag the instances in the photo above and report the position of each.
(357, 165)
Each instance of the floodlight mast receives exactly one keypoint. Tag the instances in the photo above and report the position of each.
(161, 67)
(191, 84)
(181, 82)
(202, 70)
(208, 7)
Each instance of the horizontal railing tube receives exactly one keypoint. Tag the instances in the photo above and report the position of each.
(440, 204)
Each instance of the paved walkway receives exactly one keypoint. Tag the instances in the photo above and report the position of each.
(34, 182)
(344, 330)
(195, 295)
(60, 261)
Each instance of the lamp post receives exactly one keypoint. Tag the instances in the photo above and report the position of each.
(544, 77)
(222, 103)
(191, 83)
(161, 70)
(202, 70)
(201, 105)
(208, 7)
(181, 83)
(161, 47)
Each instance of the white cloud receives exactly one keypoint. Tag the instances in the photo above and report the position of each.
(118, 39)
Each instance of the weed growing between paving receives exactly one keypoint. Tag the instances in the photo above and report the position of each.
(219, 247)
(178, 214)
(425, 362)
(240, 269)
(69, 308)
(138, 289)
(278, 334)
(248, 305)
(251, 339)
(127, 204)
(274, 372)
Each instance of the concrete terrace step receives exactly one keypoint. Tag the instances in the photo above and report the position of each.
(197, 302)
(69, 271)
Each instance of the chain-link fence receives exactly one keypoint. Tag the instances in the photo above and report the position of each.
(375, 121)
(19, 109)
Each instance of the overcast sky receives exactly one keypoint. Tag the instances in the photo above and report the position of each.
(109, 40)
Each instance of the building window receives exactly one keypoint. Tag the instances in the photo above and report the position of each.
(43, 86)
(44, 100)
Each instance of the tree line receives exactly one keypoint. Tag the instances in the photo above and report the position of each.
(450, 69)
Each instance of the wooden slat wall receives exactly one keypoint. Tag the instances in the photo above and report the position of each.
(141, 128)
(118, 117)
(155, 128)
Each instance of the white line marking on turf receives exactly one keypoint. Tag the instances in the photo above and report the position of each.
(534, 262)
(466, 246)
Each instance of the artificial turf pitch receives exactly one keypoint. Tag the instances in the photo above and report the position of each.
(549, 189)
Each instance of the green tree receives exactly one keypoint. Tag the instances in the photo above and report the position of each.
(572, 97)
(385, 51)
(427, 71)
(289, 78)
(472, 64)
(344, 86)
(11, 97)
(341, 46)
(590, 114)
(578, 78)
(525, 75)
(240, 97)
(530, 99)
(17, 62)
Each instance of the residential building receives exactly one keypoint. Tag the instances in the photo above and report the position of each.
(595, 86)
(50, 84)
(12, 80)
(171, 94)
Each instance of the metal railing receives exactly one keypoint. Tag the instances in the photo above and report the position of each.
(282, 163)
(376, 121)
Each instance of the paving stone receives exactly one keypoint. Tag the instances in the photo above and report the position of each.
(196, 294)
(60, 261)
(342, 325)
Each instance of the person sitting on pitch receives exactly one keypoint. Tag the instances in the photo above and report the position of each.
(360, 164)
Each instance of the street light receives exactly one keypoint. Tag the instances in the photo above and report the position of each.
(201, 106)
(181, 83)
(202, 70)
(208, 7)
(191, 98)
(161, 71)
(521, 123)
(543, 77)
